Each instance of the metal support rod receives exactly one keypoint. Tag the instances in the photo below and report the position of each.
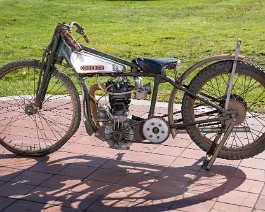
(184, 89)
(228, 130)
(231, 76)
(154, 96)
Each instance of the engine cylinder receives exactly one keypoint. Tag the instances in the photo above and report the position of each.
(119, 97)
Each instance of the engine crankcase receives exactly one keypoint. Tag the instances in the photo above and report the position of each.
(119, 134)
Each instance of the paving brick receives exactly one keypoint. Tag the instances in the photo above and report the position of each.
(260, 205)
(181, 140)
(233, 163)
(263, 191)
(194, 146)
(44, 194)
(5, 202)
(44, 167)
(92, 187)
(118, 165)
(58, 208)
(251, 186)
(162, 160)
(22, 162)
(147, 206)
(61, 182)
(220, 169)
(250, 173)
(139, 147)
(31, 177)
(62, 158)
(253, 163)
(106, 175)
(78, 148)
(168, 150)
(223, 207)
(110, 205)
(186, 163)
(197, 192)
(22, 205)
(15, 190)
(137, 180)
(192, 204)
(134, 156)
(168, 185)
(77, 171)
(7, 173)
(238, 198)
(91, 161)
(76, 201)
(193, 154)
(148, 169)
(155, 199)
(5, 155)
(124, 192)
(88, 140)
(104, 152)
(179, 174)
(260, 156)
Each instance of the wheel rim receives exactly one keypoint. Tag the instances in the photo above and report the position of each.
(248, 93)
(24, 127)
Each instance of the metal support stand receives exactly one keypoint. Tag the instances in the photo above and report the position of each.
(211, 156)
(229, 124)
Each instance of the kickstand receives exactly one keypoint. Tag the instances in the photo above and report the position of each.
(212, 155)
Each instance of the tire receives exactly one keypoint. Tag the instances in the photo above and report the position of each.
(45, 130)
(248, 96)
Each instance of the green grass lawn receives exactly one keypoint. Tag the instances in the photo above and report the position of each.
(189, 29)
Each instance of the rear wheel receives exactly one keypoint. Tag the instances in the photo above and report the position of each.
(25, 129)
(248, 96)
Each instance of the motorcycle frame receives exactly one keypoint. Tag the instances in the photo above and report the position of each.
(60, 49)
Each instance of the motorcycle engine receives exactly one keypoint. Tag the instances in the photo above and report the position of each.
(117, 129)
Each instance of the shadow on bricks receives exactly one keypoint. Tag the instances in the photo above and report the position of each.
(115, 184)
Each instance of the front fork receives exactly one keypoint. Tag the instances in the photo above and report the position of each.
(46, 71)
(43, 82)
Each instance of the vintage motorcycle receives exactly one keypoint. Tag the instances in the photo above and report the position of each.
(222, 107)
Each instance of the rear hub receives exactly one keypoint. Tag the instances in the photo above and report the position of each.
(238, 104)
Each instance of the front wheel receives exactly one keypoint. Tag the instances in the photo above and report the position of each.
(25, 129)
(248, 96)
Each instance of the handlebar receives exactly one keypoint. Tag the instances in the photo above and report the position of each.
(80, 30)
(67, 34)
(71, 39)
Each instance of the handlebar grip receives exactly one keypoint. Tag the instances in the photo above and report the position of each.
(72, 40)
(86, 38)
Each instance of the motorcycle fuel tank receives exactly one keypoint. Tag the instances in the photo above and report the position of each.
(87, 63)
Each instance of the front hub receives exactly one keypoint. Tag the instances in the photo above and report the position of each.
(30, 109)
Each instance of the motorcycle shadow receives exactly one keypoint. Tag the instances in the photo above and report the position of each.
(100, 184)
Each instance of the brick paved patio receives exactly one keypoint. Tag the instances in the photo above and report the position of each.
(86, 175)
